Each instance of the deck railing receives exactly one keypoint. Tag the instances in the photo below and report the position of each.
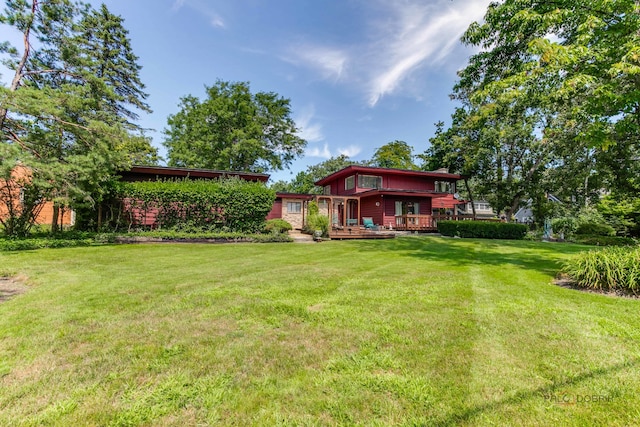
(412, 222)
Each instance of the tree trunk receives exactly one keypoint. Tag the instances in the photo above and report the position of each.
(473, 205)
(15, 83)
(54, 218)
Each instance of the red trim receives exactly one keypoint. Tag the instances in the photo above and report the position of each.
(372, 170)
(394, 192)
(295, 196)
(163, 171)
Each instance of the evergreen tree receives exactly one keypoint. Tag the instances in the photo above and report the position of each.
(58, 118)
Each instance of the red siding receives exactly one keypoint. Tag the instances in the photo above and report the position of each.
(276, 210)
(390, 207)
(368, 208)
(400, 182)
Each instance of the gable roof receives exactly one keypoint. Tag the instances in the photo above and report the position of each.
(147, 173)
(350, 170)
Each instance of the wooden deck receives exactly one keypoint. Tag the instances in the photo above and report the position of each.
(359, 233)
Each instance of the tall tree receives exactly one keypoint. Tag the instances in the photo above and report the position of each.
(55, 115)
(304, 181)
(233, 129)
(395, 154)
(576, 62)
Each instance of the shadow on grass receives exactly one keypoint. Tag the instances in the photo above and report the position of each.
(552, 394)
(543, 257)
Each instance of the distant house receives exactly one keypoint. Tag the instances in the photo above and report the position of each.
(525, 213)
(483, 209)
(11, 197)
(389, 198)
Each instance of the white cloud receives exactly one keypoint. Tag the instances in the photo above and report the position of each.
(217, 21)
(203, 8)
(177, 5)
(406, 36)
(323, 152)
(329, 62)
(420, 34)
(312, 132)
(350, 151)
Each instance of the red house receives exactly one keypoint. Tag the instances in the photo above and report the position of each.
(390, 198)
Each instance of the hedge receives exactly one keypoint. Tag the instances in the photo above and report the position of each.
(229, 204)
(482, 229)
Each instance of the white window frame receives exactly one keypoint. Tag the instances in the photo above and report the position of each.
(296, 210)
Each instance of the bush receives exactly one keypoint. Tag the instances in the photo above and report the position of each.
(595, 229)
(606, 241)
(228, 204)
(277, 225)
(482, 229)
(607, 269)
(40, 243)
(317, 222)
(566, 226)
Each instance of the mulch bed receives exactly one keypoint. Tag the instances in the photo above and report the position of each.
(566, 282)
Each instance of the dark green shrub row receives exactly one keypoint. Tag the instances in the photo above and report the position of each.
(605, 240)
(223, 205)
(607, 269)
(181, 236)
(40, 243)
(482, 229)
(594, 229)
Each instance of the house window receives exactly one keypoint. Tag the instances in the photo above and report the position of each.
(482, 206)
(294, 207)
(326, 190)
(369, 181)
(445, 187)
(350, 183)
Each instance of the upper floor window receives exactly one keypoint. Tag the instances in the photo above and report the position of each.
(445, 187)
(350, 183)
(369, 181)
(326, 190)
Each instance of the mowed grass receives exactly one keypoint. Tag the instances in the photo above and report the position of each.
(412, 331)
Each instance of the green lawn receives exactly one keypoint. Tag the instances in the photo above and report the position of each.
(411, 331)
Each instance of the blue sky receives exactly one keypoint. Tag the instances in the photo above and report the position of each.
(359, 73)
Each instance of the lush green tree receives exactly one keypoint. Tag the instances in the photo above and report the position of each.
(63, 120)
(395, 154)
(305, 181)
(576, 62)
(233, 129)
(548, 100)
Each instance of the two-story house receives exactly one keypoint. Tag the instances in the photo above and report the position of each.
(390, 198)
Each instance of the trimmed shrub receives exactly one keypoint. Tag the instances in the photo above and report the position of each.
(606, 241)
(565, 225)
(482, 229)
(607, 269)
(277, 225)
(595, 229)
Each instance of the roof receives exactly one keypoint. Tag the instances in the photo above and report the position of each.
(396, 192)
(284, 195)
(137, 173)
(349, 170)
